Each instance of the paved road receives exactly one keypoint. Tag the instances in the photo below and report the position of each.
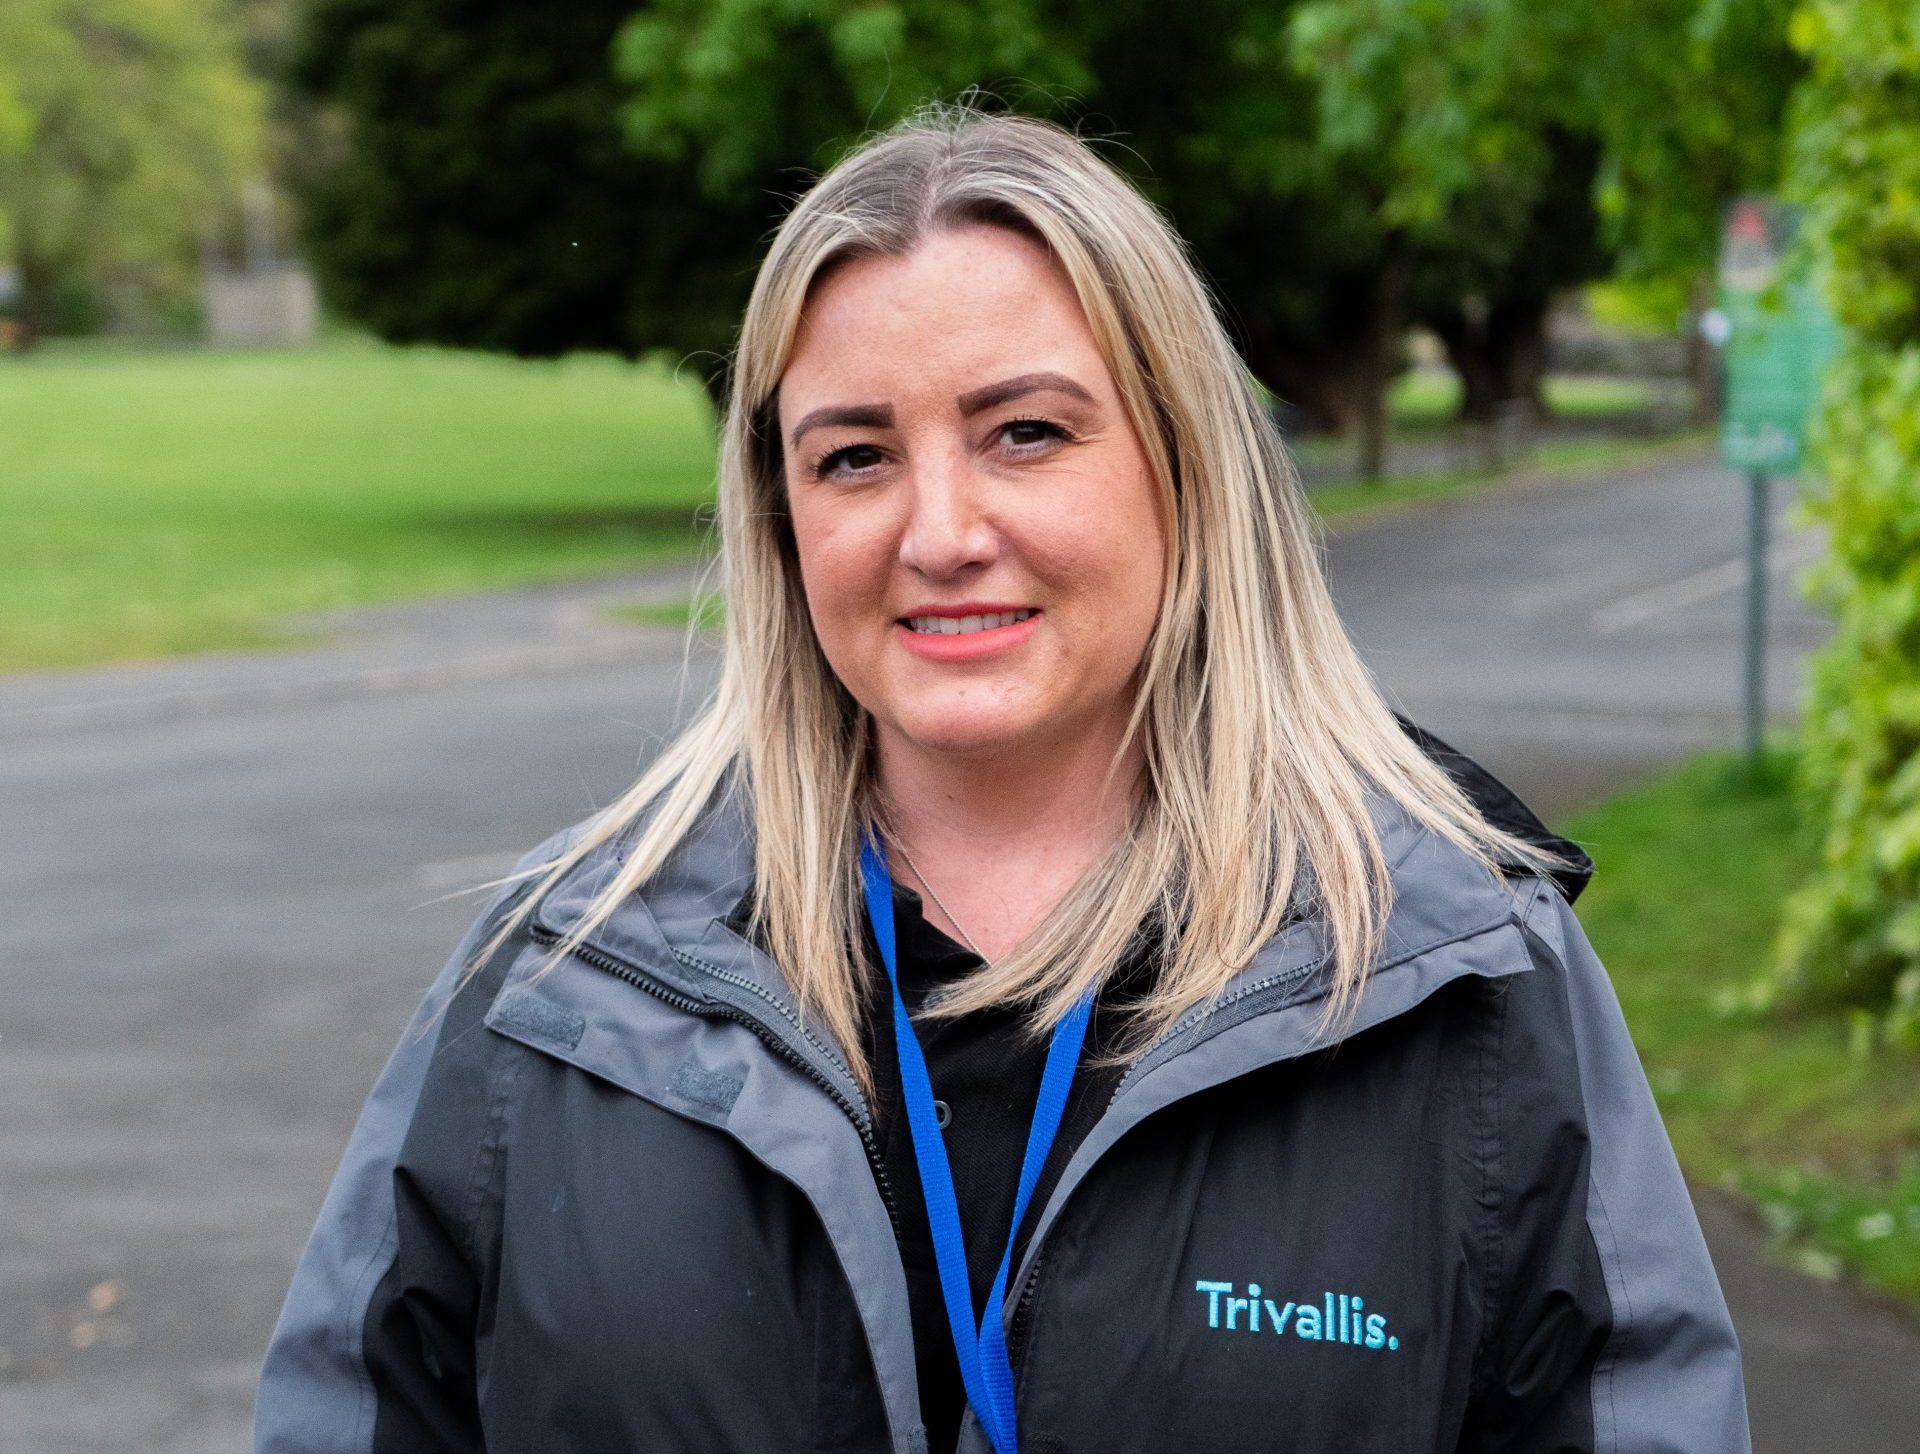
(1575, 637)
(224, 884)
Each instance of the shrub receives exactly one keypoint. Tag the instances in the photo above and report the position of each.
(1851, 935)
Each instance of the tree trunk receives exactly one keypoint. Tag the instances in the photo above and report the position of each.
(1317, 380)
(1500, 357)
(1385, 321)
(39, 275)
(1321, 394)
(1336, 379)
(1517, 333)
(1464, 340)
(1371, 459)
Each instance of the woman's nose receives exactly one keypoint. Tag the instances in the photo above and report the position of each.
(947, 530)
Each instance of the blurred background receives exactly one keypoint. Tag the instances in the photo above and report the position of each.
(358, 369)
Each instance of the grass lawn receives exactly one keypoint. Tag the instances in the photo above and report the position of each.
(1422, 405)
(1823, 1136)
(165, 502)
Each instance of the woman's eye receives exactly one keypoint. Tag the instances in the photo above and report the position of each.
(853, 456)
(1026, 434)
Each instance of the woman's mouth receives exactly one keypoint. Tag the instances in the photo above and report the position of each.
(967, 637)
(964, 625)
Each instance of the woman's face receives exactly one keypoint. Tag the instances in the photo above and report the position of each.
(978, 528)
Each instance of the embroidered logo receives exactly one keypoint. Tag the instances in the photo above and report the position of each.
(1336, 1318)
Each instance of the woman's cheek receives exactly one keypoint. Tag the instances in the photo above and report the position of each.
(846, 581)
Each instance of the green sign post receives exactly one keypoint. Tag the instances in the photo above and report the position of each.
(1777, 338)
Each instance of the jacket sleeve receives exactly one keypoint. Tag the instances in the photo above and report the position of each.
(374, 1349)
(1606, 1328)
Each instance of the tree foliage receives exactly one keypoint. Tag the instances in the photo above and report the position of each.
(1431, 97)
(1688, 98)
(1852, 935)
(481, 194)
(124, 125)
(1479, 153)
(1486, 283)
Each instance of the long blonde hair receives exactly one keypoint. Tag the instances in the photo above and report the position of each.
(1261, 731)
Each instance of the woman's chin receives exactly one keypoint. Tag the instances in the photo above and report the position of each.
(964, 735)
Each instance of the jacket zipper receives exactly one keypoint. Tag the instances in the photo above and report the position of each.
(1023, 1311)
(855, 1112)
(1155, 1054)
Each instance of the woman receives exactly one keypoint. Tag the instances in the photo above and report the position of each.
(1046, 999)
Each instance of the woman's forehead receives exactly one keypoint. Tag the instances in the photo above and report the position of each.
(962, 310)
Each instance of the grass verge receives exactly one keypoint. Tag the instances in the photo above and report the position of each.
(1820, 1131)
(1426, 399)
(704, 612)
(161, 502)
(1352, 501)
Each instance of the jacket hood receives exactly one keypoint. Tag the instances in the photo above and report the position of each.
(1502, 807)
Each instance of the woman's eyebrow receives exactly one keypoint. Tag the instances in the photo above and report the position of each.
(1015, 388)
(863, 416)
(880, 416)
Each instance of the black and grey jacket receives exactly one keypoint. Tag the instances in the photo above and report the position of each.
(636, 1205)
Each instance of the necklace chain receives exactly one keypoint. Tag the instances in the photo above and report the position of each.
(937, 899)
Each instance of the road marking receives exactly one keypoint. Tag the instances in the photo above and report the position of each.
(1731, 575)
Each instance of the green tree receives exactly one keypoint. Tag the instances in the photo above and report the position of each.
(480, 193)
(1520, 148)
(1852, 935)
(1689, 100)
(1335, 179)
(124, 126)
(1441, 111)
(1486, 284)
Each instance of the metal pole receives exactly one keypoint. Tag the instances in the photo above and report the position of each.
(1756, 666)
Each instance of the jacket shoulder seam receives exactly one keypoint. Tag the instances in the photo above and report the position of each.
(1599, 1221)
(368, 1395)
(489, 1155)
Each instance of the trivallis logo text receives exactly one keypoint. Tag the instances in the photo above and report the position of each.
(1338, 1318)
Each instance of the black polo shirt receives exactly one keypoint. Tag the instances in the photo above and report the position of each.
(988, 1076)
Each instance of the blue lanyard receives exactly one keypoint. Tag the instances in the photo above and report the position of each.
(984, 1366)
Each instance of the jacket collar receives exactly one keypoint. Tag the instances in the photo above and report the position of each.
(685, 930)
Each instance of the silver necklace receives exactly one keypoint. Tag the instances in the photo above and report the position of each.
(937, 899)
